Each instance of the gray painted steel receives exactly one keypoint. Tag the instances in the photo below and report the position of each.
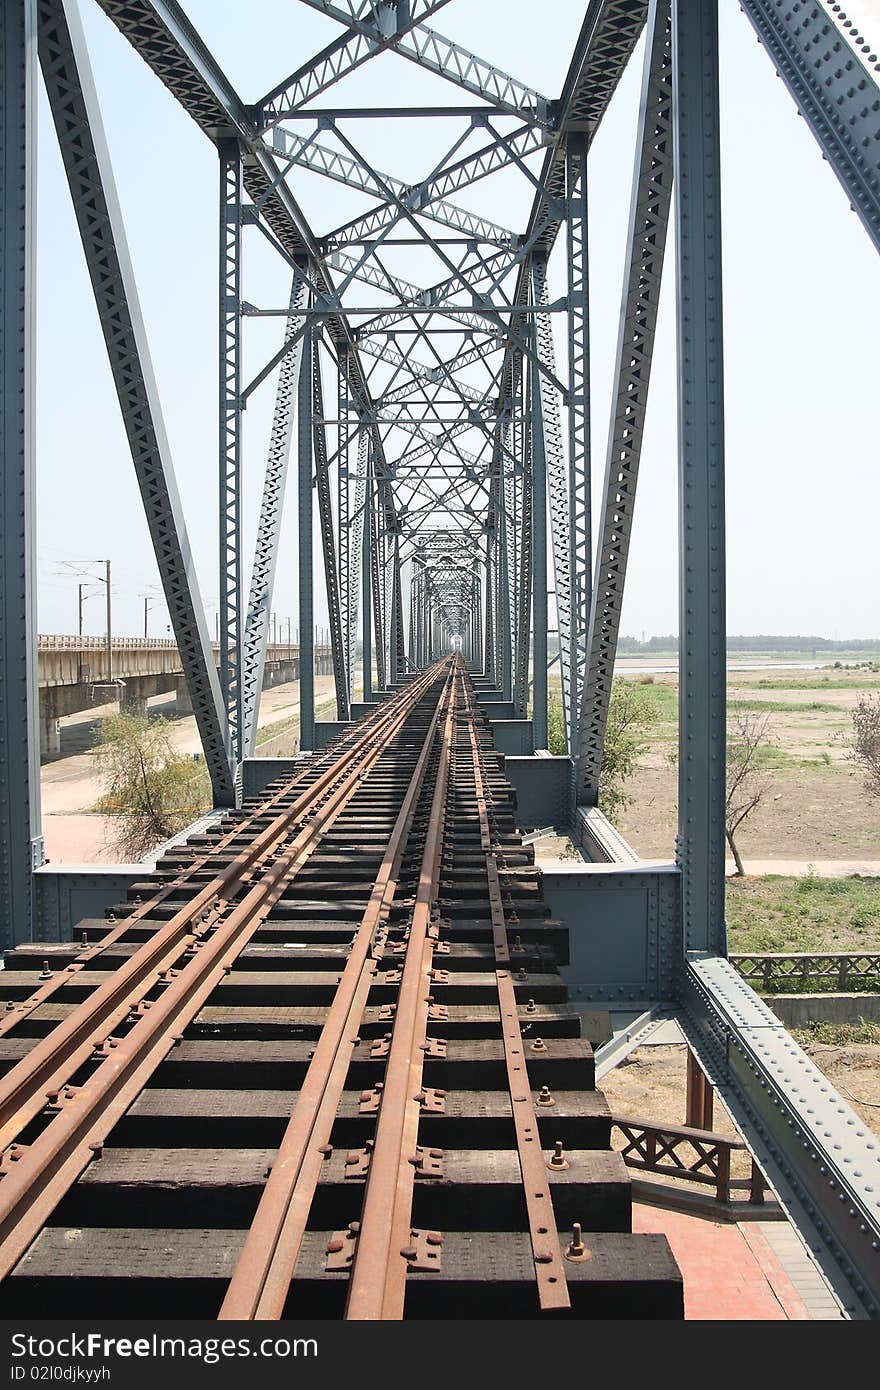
(646, 243)
(75, 111)
(833, 74)
(702, 629)
(457, 454)
(256, 633)
(820, 1158)
(306, 546)
(21, 847)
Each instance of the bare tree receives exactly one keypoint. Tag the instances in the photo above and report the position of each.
(864, 748)
(151, 791)
(746, 786)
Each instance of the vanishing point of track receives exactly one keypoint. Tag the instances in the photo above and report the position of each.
(322, 1064)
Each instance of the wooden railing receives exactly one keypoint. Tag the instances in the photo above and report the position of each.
(795, 971)
(692, 1155)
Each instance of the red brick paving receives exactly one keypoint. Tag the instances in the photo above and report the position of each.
(730, 1273)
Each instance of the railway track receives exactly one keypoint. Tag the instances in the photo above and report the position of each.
(322, 1064)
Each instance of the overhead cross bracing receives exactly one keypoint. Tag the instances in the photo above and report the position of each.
(431, 371)
(419, 307)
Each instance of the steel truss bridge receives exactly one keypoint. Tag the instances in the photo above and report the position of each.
(436, 428)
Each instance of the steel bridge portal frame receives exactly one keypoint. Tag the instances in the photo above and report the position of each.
(436, 438)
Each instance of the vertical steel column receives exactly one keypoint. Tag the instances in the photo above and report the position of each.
(256, 631)
(539, 561)
(524, 570)
(366, 575)
(21, 844)
(230, 442)
(328, 540)
(398, 636)
(356, 549)
(306, 581)
(547, 442)
(646, 243)
(579, 459)
(490, 652)
(343, 500)
(505, 607)
(77, 118)
(476, 599)
(702, 660)
(377, 577)
(411, 636)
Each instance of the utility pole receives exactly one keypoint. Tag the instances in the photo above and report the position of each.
(80, 588)
(109, 626)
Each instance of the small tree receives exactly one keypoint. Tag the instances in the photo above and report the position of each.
(152, 791)
(864, 749)
(630, 713)
(746, 786)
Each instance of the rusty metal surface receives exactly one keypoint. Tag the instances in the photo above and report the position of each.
(332, 1165)
(79, 1125)
(378, 1280)
(549, 1265)
(260, 1284)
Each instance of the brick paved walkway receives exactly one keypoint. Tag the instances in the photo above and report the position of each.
(747, 1272)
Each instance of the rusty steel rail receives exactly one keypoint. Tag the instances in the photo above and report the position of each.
(278, 1082)
(51, 1062)
(224, 884)
(384, 1252)
(37, 1175)
(261, 1281)
(549, 1265)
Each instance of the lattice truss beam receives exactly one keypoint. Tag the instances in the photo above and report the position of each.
(448, 349)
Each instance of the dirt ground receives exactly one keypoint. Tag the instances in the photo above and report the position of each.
(815, 805)
(651, 1085)
(75, 834)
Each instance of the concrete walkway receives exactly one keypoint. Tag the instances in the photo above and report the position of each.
(798, 868)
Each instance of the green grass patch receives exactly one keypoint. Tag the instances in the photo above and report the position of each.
(778, 707)
(772, 759)
(838, 1034)
(803, 914)
(662, 699)
(863, 682)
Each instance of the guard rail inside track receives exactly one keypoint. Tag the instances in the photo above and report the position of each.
(322, 1064)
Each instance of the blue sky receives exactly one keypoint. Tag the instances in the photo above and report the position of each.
(801, 296)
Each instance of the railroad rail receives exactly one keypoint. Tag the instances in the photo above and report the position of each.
(322, 1063)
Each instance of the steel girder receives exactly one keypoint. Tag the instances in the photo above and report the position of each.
(580, 564)
(386, 25)
(305, 438)
(343, 500)
(549, 461)
(352, 583)
(646, 244)
(77, 121)
(328, 542)
(377, 583)
(229, 433)
(700, 845)
(339, 166)
(817, 1153)
(256, 634)
(829, 68)
(21, 848)
(439, 55)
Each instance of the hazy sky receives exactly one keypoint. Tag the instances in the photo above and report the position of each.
(801, 285)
